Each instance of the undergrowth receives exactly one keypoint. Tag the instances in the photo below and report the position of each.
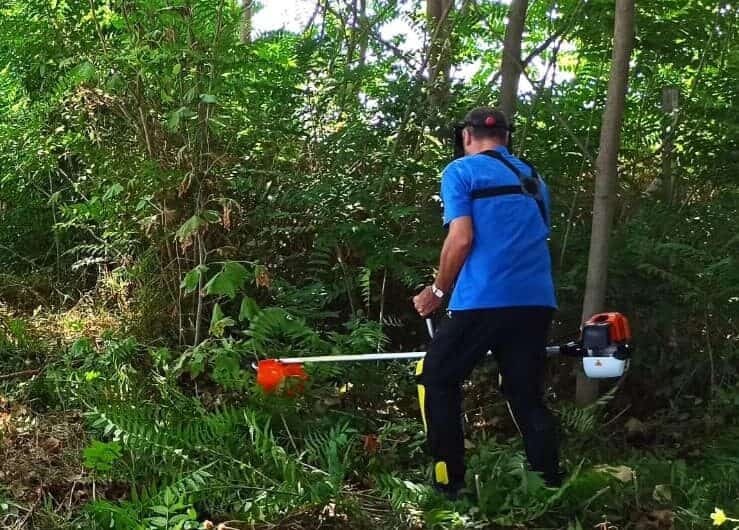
(174, 443)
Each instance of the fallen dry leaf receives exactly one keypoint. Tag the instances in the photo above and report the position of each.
(622, 473)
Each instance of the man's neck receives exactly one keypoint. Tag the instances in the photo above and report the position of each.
(488, 145)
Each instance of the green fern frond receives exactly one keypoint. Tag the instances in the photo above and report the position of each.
(672, 279)
(401, 493)
(392, 321)
(331, 450)
(365, 284)
(585, 420)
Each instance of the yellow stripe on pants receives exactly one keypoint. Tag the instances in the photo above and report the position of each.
(440, 473)
(421, 395)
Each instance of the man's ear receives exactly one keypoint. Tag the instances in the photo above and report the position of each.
(467, 137)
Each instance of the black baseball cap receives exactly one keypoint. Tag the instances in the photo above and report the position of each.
(486, 118)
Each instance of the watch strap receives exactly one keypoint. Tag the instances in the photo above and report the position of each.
(438, 293)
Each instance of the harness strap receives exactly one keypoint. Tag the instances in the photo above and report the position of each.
(529, 185)
(496, 191)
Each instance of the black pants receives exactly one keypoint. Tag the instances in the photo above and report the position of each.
(517, 336)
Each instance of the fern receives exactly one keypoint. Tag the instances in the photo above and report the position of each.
(331, 450)
(585, 420)
(365, 284)
(579, 420)
(187, 485)
(135, 429)
(392, 321)
(669, 277)
(401, 493)
(274, 326)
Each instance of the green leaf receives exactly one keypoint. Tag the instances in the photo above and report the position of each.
(190, 95)
(211, 216)
(143, 202)
(226, 369)
(217, 314)
(219, 322)
(176, 117)
(190, 227)
(92, 375)
(161, 510)
(232, 278)
(249, 309)
(101, 456)
(158, 522)
(208, 98)
(84, 72)
(176, 69)
(192, 279)
(54, 198)
(197, 362)
(173, 122)
(81, 347)
(115, 190)
(168, 496)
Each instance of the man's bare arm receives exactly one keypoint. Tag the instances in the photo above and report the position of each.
(454, 252)
(457, 246)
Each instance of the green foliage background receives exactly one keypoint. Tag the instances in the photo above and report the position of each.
(231, 202)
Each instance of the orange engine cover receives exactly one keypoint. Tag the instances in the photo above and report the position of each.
(618, 326)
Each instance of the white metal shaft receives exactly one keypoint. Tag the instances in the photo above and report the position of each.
(552, 350)
(430, 327)
(359, 357)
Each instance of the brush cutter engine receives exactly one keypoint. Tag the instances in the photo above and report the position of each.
(606, 343)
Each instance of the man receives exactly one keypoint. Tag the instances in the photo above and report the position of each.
(496, 258)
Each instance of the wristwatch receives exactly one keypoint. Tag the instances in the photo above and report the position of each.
(438, 293)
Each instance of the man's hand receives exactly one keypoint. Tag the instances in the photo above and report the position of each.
(426, 302)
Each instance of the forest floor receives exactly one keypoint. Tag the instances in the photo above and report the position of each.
(635, 465)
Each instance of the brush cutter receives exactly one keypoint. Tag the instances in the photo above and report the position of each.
(604, 347)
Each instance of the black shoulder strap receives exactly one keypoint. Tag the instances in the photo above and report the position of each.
(529, 185)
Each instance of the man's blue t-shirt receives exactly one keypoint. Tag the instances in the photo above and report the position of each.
(509, 263)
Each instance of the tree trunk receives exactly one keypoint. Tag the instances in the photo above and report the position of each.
(364, 32)
(670, 101)
(440, 57)
(246, 21)
(510, 67)
(606, 180)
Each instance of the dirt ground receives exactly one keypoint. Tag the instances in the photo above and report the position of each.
(40, 465)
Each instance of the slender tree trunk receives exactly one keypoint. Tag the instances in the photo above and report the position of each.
(364, 32)
(670, 99)
(440, 57)
(353, 34)
(606, 179)
(510, 67)
(246, 26)
(201, 255)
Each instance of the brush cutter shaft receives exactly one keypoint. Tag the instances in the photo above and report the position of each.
(430, 327)
(350, 358)
(551, 351)
(604, 348)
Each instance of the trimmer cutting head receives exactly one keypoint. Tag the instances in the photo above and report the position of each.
(271, 373)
